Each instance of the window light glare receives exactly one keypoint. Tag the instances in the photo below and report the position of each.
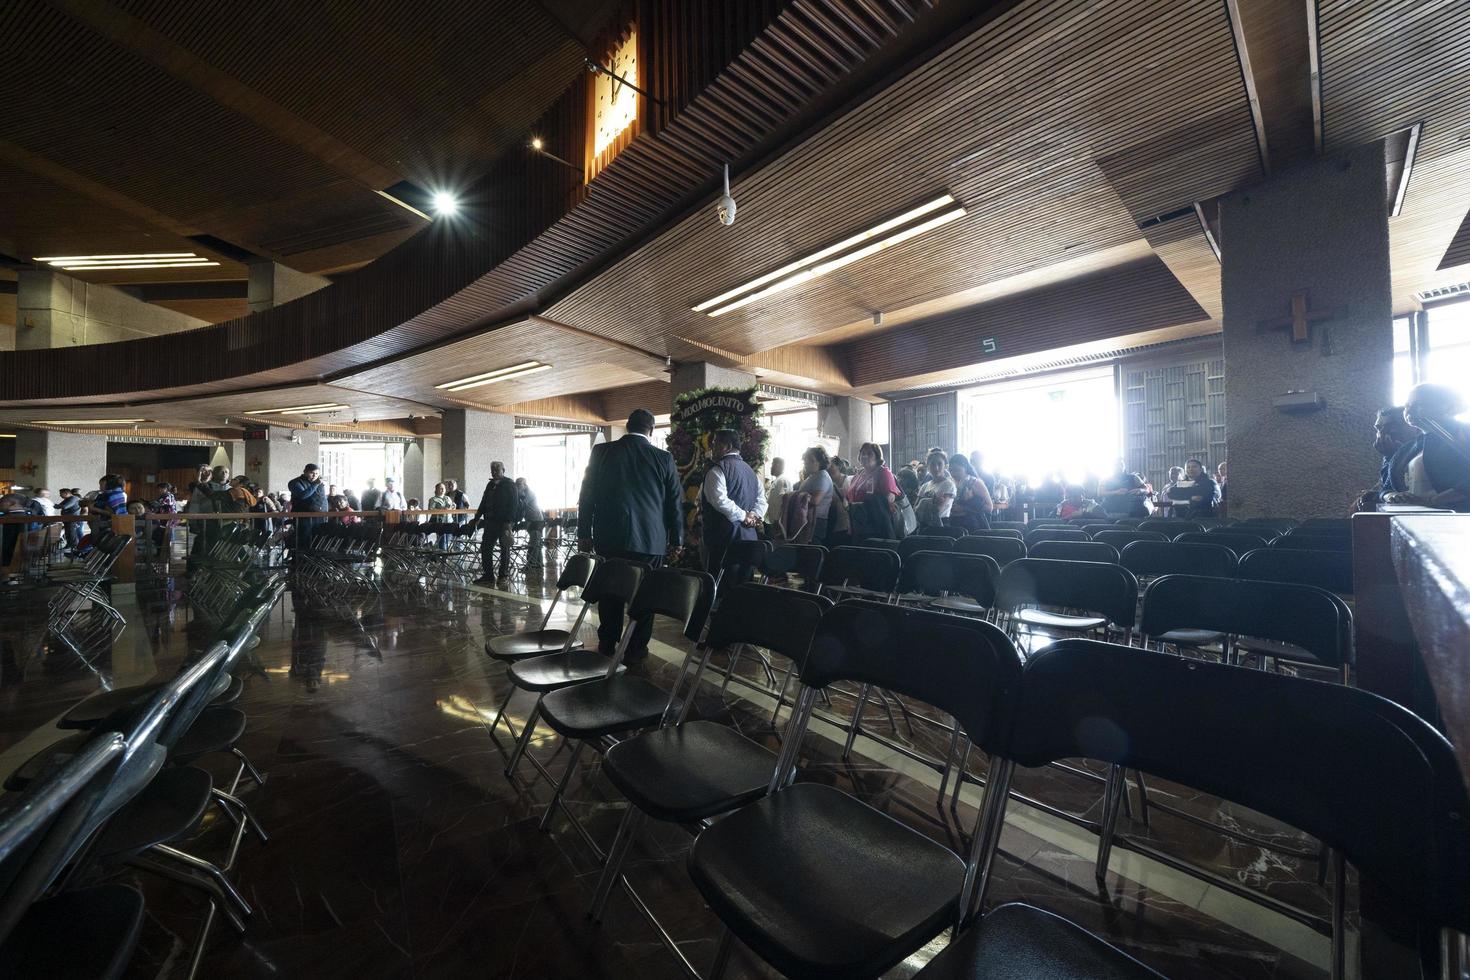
(445, 203)
(821, 254)
(822, 269)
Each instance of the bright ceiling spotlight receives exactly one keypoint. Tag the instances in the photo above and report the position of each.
(445, 204)
(537, 143)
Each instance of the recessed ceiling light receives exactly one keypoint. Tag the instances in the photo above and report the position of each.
(810, 266)
(137, 260)
(490, 377)
(445, 203)
(299, 409)
(86, 421)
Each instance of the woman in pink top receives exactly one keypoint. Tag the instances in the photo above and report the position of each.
(871, 492)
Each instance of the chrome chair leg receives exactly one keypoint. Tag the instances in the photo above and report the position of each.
(249, 766)
(722, 956)
(244, 809)
(617, 855)
(959, 779)
(214, 873)
(1112, 797)
(525, 739)
(500, 712)
(857, 718)
(561, 785)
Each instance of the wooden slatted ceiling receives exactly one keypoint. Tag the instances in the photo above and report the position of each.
(1459, 251)
(1385, 67)
(1139, 297)
(514, 224)
(1015, 121)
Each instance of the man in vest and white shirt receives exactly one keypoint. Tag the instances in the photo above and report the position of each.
(731, 503)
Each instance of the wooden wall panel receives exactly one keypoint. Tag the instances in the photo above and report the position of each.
(1134, 298)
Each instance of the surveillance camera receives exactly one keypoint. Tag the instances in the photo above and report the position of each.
(725, 206)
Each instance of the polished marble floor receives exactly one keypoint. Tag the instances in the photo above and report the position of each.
(401, 850)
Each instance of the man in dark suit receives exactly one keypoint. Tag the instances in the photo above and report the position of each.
(730, 503)
(630, 508)
(497, 516)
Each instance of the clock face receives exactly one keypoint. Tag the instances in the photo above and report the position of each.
(615, 105)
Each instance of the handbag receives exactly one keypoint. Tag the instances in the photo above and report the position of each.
(905, 521)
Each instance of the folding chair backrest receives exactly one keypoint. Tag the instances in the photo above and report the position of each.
(924, 542)
(1300, 615)
(871, 568)
(1056, 534)
(742, 558)
(613, 578)
(1003, 550)
(951, 573)
(1122, 538)
(1314, 542)
(805, 560)
(966, 667)
(1280, 525)
(946, 531)
(1106, 590)
(1350, 768)
(890, 544)
(1150, 558)
(1330, 570)
(1074, 551)
(783, 620)
(682, 594)
(1340, 524)
(995, 532)
(1170, 526)
(44, 824)
(576, 573)
(1008, 526)
(182, 699)
(1094, 529)
(1238, 543)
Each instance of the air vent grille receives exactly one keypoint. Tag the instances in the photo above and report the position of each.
(1443, 292)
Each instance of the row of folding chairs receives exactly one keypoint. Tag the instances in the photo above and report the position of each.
(433, 552)
(817, 883)
(230, 559)
(80, 615)
(339, 560)
(121, 793)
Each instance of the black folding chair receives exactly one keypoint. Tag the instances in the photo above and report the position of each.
(1093, 528)
(1297, 624)
(1238, 543)
(618, 703)
(994, 532)
(1277, 525)
(1150, 559)
(611, 579)
(814, 881)
(1363, 775)
(805, 561)
(1009, 526)
(741, 561)
(512, 647)
(86, 933)
(1055, 534)
(1122, 538)
(1170, 527)
(1314, 542)
(924, 542)
(860, 573)
(689, 771)
(1330, 570)
(946, 531)
(1043, 594)
(1003, 550)
(1074, 551)
(1340, 524)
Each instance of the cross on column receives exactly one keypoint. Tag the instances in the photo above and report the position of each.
(1299, 322)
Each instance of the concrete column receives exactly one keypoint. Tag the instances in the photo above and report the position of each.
(1321, 230)
(52, 460)
(695, 375)
(272, 284)
(276, 461)
(849, 421)
(421, 466)
(471, 442)
(55, 310)
(612, 433)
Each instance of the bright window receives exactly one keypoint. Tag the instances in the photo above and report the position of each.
(881, 427)
(1447, 357)
(792, 433)
(553, 466)
(1403, 358)
(349, 465)
(1034, 426)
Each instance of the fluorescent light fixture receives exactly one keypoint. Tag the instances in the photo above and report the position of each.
(298, 409)
(821, 254)
(445, 203)
(831, 265)
(490, 377)
(139, 260)
(7, 435)
(86, 421)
